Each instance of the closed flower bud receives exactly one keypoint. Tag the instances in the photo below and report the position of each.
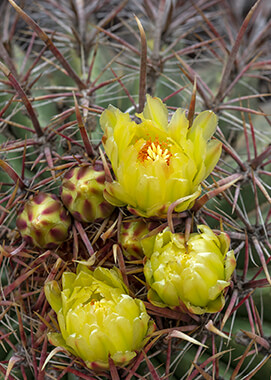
(157, 162)
(190, 276)
(131, 233)
(43, 221)
(97, 318)
(82, 193)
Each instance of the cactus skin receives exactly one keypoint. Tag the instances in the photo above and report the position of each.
(82, 193)
(43, 221)
(131, 233)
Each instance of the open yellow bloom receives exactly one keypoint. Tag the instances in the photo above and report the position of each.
(190, 276)
(155, 162)
(97, 317)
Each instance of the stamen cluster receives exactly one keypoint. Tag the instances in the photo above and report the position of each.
(155, 151)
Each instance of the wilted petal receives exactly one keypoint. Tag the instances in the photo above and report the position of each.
(230, 264)
(217, 289)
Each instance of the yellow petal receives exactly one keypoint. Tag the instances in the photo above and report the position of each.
(186, 205)
(148, 129)
(109, 117)
(214, 148)
(206, 122)
(115, 194)
(154, 298)
(177, 188)
(139, 331)
(167, 292)
(119, 132)
(68, 280)
(57, 340)
(128, 171)
(53, 295)
(156, 111)
(224, 240)
(178, 127)
(120, 331)
(193, 289)
(199, 149)
(148, 192)
(122, 358)
(124, 131)
(111, 149)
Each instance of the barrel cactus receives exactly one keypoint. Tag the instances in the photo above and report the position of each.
(150, 120)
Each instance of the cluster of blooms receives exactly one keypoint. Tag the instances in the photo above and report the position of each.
(156, 164)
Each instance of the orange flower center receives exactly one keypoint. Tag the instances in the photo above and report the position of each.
(154, 151)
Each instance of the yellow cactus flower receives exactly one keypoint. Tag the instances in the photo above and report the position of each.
(97, 317)
(189, 276)
(155, 162)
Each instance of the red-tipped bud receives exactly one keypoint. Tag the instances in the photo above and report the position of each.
(82, 194)
(43, 221)
(131, 234)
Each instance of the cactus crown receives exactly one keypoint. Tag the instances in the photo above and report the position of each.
(154, 118)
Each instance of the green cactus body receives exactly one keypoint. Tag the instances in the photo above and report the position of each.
(82, 193)
(43, 221)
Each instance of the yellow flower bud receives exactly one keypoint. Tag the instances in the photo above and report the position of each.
(190, 276)
(97, 317)
(155, 162)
